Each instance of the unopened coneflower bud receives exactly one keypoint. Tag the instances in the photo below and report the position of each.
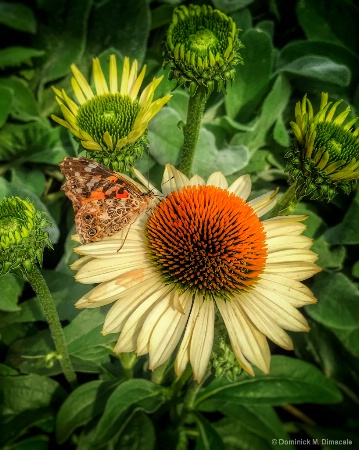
(22, 235)
(201, 48)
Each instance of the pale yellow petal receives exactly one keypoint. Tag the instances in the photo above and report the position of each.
(232, 329)
(182, 357)
(167, 333)
(122, 310)
(241, 187)
(248, 338)
(217, 179)
(202, 340)
(130, 332)
(264, 203)
(173, 180)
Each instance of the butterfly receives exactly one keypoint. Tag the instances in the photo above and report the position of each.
(104, 201)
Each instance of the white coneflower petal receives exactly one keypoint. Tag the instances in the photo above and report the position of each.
(128, 338)
(264, 203)
(217, 179)
(122, 308)
(241, 187)
(202, 339)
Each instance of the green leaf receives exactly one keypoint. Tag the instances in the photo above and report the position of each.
(65, 37)
(289, 381)
(6, 101)
(337, 308)
(39, 442)
(329, 256)
(229, 6)
(166, 141)
(209, 159)
(207, 438)
(120, 24)
(132, 395)
(84, 334)
(82, 405)
(12, 427)
(165, 138)
(337, 24)
(273, 107)
(24, 106)
(6, 370)
(319, 68)
(295, 50)
(15, 56)
(28, 392)
(253, 424)
(253, 77)
(10, 288)
(34, 142)
(346, 232)
(280, 133)
(17, 16)
(32, 179)
(237, 437)
(138, 434)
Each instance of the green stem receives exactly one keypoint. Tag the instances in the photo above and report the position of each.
(39, 285)
(195, 112)
(128, 361)
(287, 203)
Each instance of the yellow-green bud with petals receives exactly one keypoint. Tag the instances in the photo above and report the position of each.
(324, 155)
(22, 235)
(201, 48)
(110, 123)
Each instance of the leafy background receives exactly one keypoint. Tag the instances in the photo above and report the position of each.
(291, 48)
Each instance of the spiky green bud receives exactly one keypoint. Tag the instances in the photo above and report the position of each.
(324, 155)
(22, 235)
(224, 361)
(201, 48)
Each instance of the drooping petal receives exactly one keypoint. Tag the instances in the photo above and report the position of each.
(202, 340)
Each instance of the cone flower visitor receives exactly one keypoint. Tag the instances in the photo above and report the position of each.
(111, 124)
(22, 235)
(202, 255)
(201, 48)
(324, 155)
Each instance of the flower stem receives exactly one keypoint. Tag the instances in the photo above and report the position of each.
(39, 286)
(286, 205)
(128, 361)
(195, 112)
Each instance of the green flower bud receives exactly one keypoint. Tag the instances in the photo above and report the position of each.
(201, 46)
(22, 235)
(324, 156)
(224, 361)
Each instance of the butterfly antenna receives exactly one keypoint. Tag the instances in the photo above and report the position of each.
(124, 239)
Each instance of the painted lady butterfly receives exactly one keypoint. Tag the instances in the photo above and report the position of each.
(104, 201)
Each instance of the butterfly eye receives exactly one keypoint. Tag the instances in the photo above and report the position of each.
(92, 232)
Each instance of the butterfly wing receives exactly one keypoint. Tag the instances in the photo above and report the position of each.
(88, 181)
(100, 218)
(104, 201)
